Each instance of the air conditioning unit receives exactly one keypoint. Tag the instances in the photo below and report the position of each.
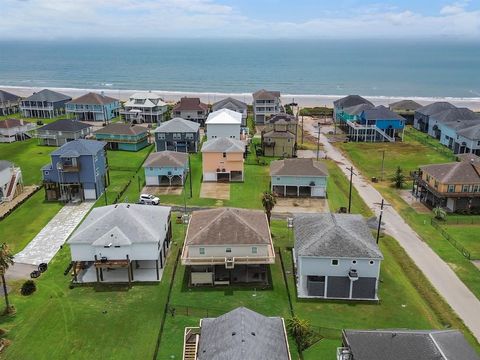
(229, 263)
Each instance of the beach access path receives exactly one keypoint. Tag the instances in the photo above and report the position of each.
(442, 277)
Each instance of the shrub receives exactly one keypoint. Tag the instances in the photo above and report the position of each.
(28, 288)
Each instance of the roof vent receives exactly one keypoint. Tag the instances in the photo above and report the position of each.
(234, 333)
(128, 205)
(253, 333)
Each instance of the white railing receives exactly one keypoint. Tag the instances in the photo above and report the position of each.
(190, 349)
(218, 260)
(356, 127)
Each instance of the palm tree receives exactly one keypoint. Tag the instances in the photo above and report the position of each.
(268, 201)
(6, 259)
(439, 213)
(301, 330)
(399, 178)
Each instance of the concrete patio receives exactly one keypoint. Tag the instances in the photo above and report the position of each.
(146, 273)
(219, 191)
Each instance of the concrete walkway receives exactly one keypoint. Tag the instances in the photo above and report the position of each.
(442, 277)
(45, 245)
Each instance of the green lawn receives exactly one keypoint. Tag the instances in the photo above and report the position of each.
(29, 156)
(468, 236)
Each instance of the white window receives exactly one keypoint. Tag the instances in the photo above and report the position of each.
(228, 250)
(465, 188)
(451, 188)
(202, 251)
(189, 136)
(161, 136)
(254, 249)
(334, 262)
(177, 136)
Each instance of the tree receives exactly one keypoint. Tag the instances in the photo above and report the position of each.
(301, 330)
(439, 213)
(6, 259)
(268, 201)
(398, 179)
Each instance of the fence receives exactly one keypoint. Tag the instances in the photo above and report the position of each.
(451, 239)
(462, 220)
(430, 142)
(200, 312)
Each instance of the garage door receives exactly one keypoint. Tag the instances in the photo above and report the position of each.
(209, 176)
(90, 194)
(318, 191)
(152, 180)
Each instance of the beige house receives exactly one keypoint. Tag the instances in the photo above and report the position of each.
(454, 186)
(227, 245)
(222, 160)
(279, 138)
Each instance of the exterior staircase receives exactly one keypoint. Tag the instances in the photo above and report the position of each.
(359, 127)
(12, 185)
(190, 344)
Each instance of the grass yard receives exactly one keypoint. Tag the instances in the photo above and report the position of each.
(29, 156)
(468, 236)
(61, 323)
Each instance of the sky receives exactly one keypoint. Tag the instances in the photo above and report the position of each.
(250, 19)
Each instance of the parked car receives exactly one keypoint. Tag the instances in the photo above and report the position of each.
(149, 199)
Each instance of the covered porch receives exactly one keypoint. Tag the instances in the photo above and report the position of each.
(221, 275)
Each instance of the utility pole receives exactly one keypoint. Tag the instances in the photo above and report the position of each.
(383, 163)
(350, 190)
(318, 140)
(190, 174)
(302, 130)
(382, 204)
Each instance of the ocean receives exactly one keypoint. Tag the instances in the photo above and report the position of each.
(310, 67)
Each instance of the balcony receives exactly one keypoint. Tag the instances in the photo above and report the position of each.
(70, 168)
(228, 261)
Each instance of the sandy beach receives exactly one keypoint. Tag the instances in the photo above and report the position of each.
(472, 103)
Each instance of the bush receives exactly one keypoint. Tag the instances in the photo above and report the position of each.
(28, 288)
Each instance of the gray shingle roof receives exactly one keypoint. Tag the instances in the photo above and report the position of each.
(122, 129)
(228, 226)
(404, 105)
(6, 96)
(455, 114)
(48, 95)
(5, 164)
(298, 167)
(65, 125)
(11, 123)
(243, 334)
(472, 131)
(122, 224)
(350, 100)
(334, 235)
(177, 125)
(93, 99)
(435, 107)
(80, 147)
(166, 158)
(279, 134)
(381, 113)
(358, 109)
(229, 103)
(266, 94)
(223, 145)
(408, 345)
(281, 119)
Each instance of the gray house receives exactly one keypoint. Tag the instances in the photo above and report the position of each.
(9, 103)
(406, 109)
(241, 334)
(44, 104)
(405, 345)
(62, 131)
(336, 257)
(266, 103)
(422, 115)
(78, 171)
(234, 105)
(178, 135)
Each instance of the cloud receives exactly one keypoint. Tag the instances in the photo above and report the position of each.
(53, 19)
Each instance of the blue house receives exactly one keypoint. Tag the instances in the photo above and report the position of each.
(166, 168)
(341, 106)
(78, 171)
(299, 177)
(449, 118)
(126, 137)
(93, 107)
(421, 118)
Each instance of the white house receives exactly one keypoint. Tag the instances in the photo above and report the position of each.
(224, 123)
(15, 129)
(233, 104)
(145, 106)
(10, 181)
(120, 243)
(336, 257)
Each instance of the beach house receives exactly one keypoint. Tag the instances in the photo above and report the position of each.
(298, 178)
(78, 171)
(279, 137)
(240, 334)
(403, 344)
(228, 245)
(423, 114)
(340, 106)
(62, 131)
(15, 129)
(119, 136)
(121, 243)
(178, 135)
(454, 186)
(11, 181)
(266, 103)
(336, 257)
(442, 125)
(191, 109)
(222, 160)
(234, 105)
(9, 103)
(166, 168)
(44, 104)
(467, 140)
(223, 123)
(144, 107)
(93, 107)
(406, 109)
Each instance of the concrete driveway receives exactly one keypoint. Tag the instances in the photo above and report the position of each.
(213, 190)
(300, 205)
(162, 190)
(45, 245)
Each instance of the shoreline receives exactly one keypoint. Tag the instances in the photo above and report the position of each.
(303, 100)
